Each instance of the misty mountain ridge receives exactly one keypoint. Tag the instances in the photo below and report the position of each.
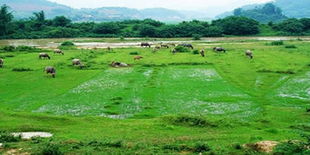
(25, 8)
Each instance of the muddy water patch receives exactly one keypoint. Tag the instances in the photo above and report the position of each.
(297, 88)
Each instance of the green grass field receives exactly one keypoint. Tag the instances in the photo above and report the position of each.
(151, 107)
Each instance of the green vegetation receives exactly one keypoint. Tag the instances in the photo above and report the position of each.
(61, 27)
(164, 103)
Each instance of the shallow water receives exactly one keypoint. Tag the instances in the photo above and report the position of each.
(54, 43)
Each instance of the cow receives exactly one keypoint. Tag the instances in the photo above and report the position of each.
(187, 45)
(119, 64)
(202, 53)
(76, 62)
(171, 44)
(44, 55)
(58, 51)
(1, 63)
(109, 48)
(137, 57)
(249, 54)
(145, 45)
(219, 49)
(174, 51)
(164, 46)
(50, 70)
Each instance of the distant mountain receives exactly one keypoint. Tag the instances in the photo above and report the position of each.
(25, 9)
(294, 8)
(290, 8)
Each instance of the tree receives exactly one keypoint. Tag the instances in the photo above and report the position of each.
(147, 30)
(306, 23)
(293, 26)
(107, 28)
(234, 25)
(61, 21)
(5, 20)
(38, 20)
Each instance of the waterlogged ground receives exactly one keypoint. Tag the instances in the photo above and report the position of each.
(247, 100)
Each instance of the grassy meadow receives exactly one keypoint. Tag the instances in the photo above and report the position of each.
(162, 104)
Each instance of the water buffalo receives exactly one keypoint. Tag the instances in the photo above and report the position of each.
(1, 63)
(76, 62)
(219, 49)
(164, 46)
(187, 45)
(50, 70)
(44, 55)
(145, 45)
(109, 48)
(249, 53)
(174, 51)
(58, 51)
(137, 57)
(202, 53)
(119, 64)
(171, 44)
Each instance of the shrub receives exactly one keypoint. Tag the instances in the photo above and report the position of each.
(182, 49)
(21, 69)
(9, 48)
(195, 51)
(67, 43)
(196, 37)
(8, 137)
(201, 147)
(186, 120)
(134, 53)
(25, 48)
(277, 43)
(290, 46)
(51, 149)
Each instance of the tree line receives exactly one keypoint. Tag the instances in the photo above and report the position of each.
(38, 26)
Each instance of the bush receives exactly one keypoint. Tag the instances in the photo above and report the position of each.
(201, 147)
(277, 43)
(8, 137)
(188, 121)
(134, 53)
(182, 49)
(196, 37)
(51, 149)
(294, 147)
(25, 48)
(195, 51)
(21, 69)
(67, 43)
(290, 46)
(9, 48)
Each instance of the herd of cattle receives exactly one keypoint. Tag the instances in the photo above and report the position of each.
(77, 62)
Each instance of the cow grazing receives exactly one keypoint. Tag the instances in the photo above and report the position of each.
(219, 49)
(187, 45)
(202, 53)
(109, 48)
(44, 55)
(249, 53)
(119, 64)
(137, 57)
(58, 51)
(76, 62)
(1, 63)
(50, 70)
(164, 46)
(146, 45)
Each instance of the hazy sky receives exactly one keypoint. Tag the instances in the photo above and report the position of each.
(220, 5)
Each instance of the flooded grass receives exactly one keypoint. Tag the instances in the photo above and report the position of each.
(222, 99)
